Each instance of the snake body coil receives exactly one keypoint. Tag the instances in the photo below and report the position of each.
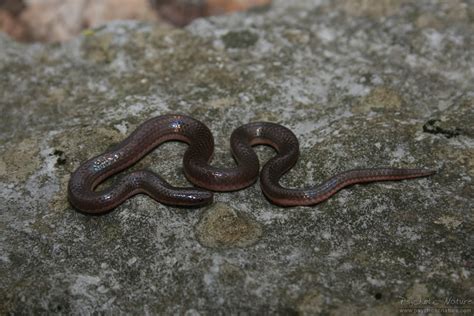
(146, 137)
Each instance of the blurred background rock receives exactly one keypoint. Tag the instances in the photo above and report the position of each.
(60, 20)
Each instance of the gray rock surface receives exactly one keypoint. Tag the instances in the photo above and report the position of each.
(361, 83)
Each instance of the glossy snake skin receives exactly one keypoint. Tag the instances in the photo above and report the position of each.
(197, 168)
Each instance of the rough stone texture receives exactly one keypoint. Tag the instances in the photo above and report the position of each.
(382, 83)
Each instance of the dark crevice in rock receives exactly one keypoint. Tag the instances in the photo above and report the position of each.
(433, 127)
(61, 160)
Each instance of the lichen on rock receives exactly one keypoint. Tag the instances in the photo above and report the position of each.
(223, 227)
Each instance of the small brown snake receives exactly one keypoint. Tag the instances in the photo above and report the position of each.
(150, 134)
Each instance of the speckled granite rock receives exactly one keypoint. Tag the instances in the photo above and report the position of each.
(367, 84)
